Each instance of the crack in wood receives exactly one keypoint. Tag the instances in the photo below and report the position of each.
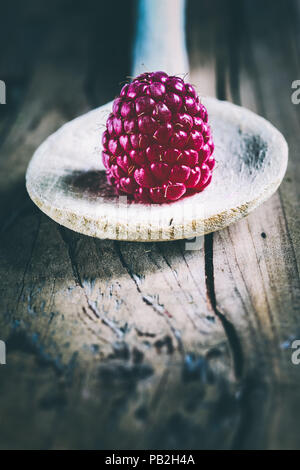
(289, 234)
(71, 244)
(230, 331)
(105, 320)
(149, 301)
(179, 285)
(29, 259)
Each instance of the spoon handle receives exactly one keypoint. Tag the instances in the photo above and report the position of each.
(160, 37)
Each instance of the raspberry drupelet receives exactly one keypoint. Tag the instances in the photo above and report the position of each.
(158, 146)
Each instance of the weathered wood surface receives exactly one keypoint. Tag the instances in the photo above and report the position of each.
(131, 345)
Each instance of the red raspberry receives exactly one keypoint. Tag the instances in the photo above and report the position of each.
(158, 145)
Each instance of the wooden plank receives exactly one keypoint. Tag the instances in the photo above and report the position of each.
(30, 402)
(256, 280)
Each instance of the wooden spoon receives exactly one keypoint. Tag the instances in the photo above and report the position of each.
(66, 178)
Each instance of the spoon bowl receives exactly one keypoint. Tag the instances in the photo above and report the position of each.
(66, 179)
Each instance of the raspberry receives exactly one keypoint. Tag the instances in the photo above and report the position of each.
(158, 146)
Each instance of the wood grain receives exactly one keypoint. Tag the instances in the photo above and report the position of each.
(126, 345)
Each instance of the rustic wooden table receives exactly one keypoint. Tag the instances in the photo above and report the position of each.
(132, 345)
